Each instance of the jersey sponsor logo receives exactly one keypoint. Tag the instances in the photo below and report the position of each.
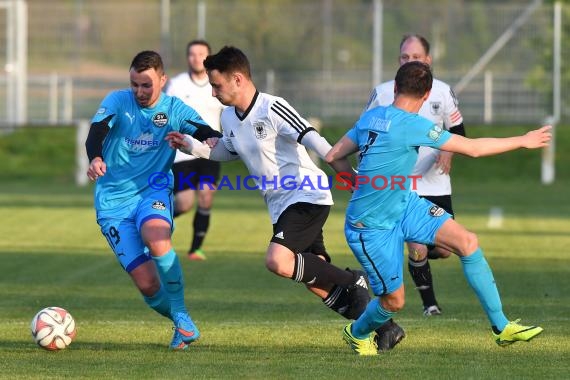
(435, 132)
(279, 235)
(232, 134)
(435, 108)
(259, 128)
(436, 211)
(101, 110)
(144, 142)
(160, 119)
(158, 205)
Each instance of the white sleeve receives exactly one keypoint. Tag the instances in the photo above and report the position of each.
(381, 95)
(195, 147)
(202, 150)
(221, 153)
(314, 141)
(452, 116)
(169, 88)
(287, 121)
(373, 101)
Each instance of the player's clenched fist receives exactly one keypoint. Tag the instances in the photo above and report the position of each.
(97, 168)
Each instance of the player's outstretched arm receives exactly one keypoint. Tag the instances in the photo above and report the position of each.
(488, 146)
(342, 149)
(337, 155)
(210, 150)
(314, 141)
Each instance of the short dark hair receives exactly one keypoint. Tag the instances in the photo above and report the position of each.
(228, 60)
(418, 37)
(414, 79)
(146, 60)
(198, 42)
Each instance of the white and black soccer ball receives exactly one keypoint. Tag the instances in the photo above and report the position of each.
(53, 328)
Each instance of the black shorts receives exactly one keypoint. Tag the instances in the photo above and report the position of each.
(195, 174)
(300, 228)
(443, 201)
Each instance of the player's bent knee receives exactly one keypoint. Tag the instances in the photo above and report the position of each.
(392, 304)
(206, 200)
(159, 247)
(417, 252)
(467, 244)
(184, 201)
(273, 266)
(183, 208)
(472, 243)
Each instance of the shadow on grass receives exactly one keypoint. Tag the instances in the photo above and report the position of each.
(509, 233)
(17, 345)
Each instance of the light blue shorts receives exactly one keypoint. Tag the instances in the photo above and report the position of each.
(381, 252)
(122, 227)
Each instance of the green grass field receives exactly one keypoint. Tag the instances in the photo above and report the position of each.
(255, 325)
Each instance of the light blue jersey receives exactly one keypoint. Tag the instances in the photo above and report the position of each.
(135, 150)
(378, 222)
(388, 139)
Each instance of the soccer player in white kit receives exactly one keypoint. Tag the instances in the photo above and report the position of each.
(193, 88)
(432, 165)
(270, 137)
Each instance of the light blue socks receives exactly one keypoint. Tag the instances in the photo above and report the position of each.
(170, 272)
(480, 277)
(159, 302)
(373, 317)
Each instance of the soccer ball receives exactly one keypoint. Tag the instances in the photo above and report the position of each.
(53, 328)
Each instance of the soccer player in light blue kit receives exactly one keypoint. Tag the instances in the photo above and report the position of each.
(131, 163)
(379, 218)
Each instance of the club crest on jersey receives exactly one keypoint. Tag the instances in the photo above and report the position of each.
(160, 119)
(436, 211)
(435, 108)
(259, 128)
(158, 205)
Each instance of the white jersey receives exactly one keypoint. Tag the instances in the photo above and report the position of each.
(198, 97)
(268, 139)
(442, 108)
